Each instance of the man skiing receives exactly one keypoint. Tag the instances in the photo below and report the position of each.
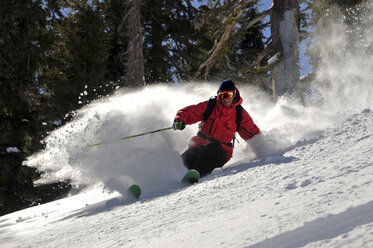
(221, 118)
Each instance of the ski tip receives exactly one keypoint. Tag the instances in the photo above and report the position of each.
(194, 173)
(135, 191)
(191, 177)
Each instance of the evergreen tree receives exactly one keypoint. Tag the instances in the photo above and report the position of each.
(187, 38)
(24, 42)
(84, 36)
(172, 40)
(114, 12)
(78, 69)
(155, 52)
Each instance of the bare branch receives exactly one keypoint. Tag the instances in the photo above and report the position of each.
(258, 18)
(228, 30)
(238, 11)
(261, 56)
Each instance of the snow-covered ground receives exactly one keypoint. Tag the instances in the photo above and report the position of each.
(318, 193)
(306, 181)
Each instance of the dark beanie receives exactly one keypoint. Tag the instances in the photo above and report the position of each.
(227, 85)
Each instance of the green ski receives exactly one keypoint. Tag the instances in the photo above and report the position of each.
(134, 191)
(191, 177)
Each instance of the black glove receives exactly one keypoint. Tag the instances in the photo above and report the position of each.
(178, 125)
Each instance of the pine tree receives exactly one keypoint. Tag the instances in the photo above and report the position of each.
(173, 40)
(23, 44)
(114, 12)
(79, 56)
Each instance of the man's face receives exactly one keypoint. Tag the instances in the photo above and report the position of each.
(227, 101)
(226, 97)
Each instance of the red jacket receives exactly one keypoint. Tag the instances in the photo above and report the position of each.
(220, 125)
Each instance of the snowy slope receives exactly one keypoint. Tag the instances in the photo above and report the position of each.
(316, 194)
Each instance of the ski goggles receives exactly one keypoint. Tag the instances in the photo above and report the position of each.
(225, 94)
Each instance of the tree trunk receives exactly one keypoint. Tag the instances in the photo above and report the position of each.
(134, 53)
(156, 53)
(285, 39)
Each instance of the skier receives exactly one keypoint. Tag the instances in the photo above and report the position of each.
(220, 118)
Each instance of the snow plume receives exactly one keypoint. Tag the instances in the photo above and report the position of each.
(345, 51)
(151, 160)
(346, 68)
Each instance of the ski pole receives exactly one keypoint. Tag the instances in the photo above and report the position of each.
(136, 135)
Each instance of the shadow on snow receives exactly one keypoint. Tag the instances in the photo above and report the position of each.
(321, 229)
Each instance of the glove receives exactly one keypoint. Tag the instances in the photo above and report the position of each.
(178, 125)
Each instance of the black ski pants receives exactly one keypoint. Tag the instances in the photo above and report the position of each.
(205, 159)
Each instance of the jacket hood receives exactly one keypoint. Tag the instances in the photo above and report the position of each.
(237, 98)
